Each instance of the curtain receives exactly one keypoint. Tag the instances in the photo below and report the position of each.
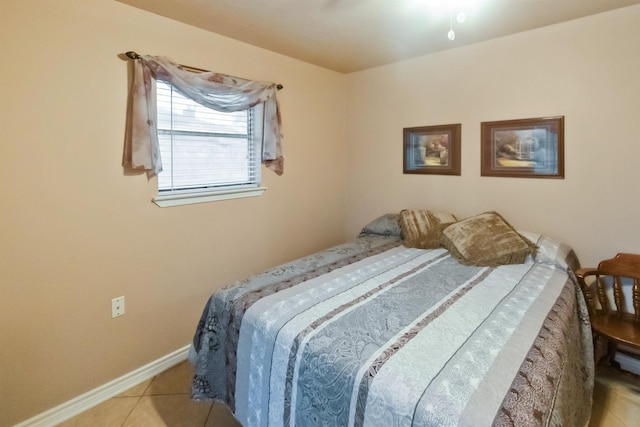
(217, 91)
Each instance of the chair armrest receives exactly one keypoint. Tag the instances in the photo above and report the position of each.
(581, 273)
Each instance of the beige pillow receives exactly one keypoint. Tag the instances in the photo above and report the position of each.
(486, 239)
(423, 229)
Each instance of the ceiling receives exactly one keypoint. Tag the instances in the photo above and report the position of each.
(352, 35)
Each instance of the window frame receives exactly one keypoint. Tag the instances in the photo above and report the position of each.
(184, 196)
(187, 197)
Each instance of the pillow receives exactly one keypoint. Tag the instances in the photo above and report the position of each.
(487, 239)
(423, 229)
(552, 251)
(385, 225)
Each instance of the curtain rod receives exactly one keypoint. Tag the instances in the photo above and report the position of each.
(133, 55)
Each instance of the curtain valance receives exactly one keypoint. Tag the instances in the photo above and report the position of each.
(214, 90)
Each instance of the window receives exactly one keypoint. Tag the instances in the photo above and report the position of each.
(206, 154)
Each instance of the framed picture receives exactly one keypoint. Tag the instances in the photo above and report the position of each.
(432, 150)
(526, 148)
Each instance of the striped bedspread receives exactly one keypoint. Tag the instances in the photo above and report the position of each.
(372, 333)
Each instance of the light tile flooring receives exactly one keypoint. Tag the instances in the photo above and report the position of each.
(164, 401)
(161, 401)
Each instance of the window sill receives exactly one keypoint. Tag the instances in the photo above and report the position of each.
(188, 198)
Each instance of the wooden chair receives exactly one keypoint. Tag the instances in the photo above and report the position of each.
(612, 321)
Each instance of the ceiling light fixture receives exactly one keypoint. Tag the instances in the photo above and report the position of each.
(461, 17)
(457, 11)
(451, 34)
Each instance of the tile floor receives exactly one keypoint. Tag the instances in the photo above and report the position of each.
(161, 401)
(164, 401)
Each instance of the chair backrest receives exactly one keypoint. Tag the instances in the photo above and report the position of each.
(610, 277)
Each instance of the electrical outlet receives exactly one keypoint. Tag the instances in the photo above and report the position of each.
(117, 307)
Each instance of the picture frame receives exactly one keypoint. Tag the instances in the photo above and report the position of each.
(523, 148)
(432, 150)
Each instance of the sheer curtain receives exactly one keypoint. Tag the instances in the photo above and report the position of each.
(217, 91)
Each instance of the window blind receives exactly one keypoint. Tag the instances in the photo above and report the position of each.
(202, 148)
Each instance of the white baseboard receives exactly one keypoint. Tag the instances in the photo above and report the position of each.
(105, 392)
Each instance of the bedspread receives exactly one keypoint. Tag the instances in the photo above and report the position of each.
(371, 333)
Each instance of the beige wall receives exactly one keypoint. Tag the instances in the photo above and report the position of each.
(76, 232)
(587, 70)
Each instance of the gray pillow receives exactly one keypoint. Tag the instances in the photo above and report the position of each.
(385, 225)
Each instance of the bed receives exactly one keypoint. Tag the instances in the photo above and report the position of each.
(374, 332)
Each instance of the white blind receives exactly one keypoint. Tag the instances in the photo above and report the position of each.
(202, 148)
